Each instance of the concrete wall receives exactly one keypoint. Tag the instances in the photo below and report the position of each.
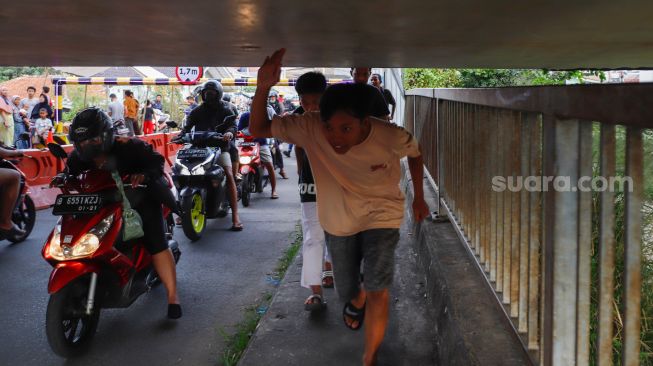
(470, 327)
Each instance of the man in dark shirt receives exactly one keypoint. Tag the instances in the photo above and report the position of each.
(214, 114)
(361, 75)
(377, 81)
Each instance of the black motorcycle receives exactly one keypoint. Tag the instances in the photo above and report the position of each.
(200, 181)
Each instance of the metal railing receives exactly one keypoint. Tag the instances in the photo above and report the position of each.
(535, 245)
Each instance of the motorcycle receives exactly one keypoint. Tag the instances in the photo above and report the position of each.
(200, 181)
(24, 213)
(254, 175)
(94, 268)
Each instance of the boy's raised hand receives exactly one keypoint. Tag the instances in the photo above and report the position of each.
(270, 71)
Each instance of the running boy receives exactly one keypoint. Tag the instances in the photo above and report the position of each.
(355, 159)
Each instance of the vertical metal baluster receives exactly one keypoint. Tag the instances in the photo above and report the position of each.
(606, 247)
(515, 150)
(480, 188)
(494, 133)
(524, 222)
(535, 228)
(564, 229)
(507, 203)
(584, 244)
(633, 247)
(501, 143)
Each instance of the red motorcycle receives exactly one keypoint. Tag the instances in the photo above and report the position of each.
(24, 214)
(94, 268)
(254, 175)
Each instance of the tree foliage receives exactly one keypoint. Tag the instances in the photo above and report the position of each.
(491, 78)
(8, 73)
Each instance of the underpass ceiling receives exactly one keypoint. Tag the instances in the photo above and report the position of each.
(408, 33)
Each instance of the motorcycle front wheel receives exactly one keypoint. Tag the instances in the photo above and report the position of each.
(193, 220)
(68, 328)
(24, 217)
(246, 189)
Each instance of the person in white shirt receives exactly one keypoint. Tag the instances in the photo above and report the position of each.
(43, 125)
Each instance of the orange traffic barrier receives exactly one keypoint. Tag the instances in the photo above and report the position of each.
(39, 167)
(171, 149)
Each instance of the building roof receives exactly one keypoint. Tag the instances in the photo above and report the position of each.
(18, 86)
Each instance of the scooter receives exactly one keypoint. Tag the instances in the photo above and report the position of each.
(94, 268)
(24, 214)
(200, 181)
(254, 175)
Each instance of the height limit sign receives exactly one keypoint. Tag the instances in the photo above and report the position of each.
(189, 75)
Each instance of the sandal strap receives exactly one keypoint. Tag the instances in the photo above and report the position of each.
(315, 296)
(327, 274)
(353, 312)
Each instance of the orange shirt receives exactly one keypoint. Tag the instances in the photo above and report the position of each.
(131, 107)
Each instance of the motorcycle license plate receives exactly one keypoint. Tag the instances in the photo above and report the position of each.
(248, 144)
(71, 204)
(192, 154)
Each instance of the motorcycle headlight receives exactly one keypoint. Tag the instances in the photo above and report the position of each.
(198, 170)
(85, 246)
(245, 160)
(183, 170)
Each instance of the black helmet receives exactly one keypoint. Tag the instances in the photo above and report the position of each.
(212, 92)
(91, 123)
(227, 97)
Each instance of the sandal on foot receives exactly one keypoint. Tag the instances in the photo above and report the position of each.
(327, 279)
(314, 303)
(237, 227)
(353, 313)
(274, 196)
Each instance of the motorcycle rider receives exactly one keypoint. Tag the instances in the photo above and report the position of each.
(212, 115)
(10, 186)
(96, 147)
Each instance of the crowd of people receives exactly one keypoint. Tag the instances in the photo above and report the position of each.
(347, 155)
(26, 121)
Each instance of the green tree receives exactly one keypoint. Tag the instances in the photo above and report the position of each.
(431, 78)
(491, 78)
(8, 73)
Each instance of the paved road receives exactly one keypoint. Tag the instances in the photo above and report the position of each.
(218, 277)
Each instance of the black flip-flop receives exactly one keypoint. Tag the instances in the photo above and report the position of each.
(315, 303)
(238, 227)
(355, 314)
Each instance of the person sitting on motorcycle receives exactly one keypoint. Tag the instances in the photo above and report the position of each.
(212, 115)
(96, 147)
(10, 186)
(264, 150)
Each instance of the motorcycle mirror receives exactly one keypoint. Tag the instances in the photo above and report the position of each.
(171, 124)
(57, 151)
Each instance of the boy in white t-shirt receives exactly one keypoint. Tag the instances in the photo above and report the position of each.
(355, 159)
(43, 125)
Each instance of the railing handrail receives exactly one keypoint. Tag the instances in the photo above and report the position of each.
(624, 104)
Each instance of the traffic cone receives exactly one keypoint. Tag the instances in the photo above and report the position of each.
(50, 138)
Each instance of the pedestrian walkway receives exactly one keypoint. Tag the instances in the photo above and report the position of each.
(288, 335)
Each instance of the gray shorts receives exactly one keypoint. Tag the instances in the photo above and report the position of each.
(374, 248)
(225, 159)
(266, 155)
